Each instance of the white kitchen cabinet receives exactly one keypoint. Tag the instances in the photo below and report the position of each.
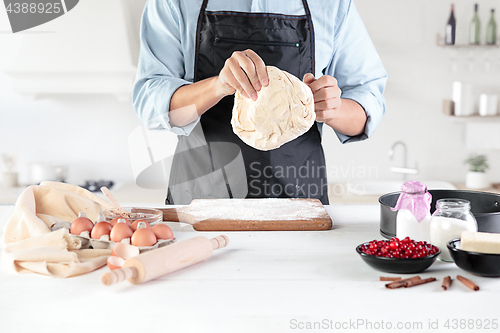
(85, 51)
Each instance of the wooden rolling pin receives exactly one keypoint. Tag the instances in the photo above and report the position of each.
(155, 263)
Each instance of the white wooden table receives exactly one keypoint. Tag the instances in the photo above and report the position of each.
(262, 282)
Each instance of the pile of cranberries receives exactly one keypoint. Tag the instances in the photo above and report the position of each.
(395, 248)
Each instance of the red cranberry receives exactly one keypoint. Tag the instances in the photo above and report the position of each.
(395, 248)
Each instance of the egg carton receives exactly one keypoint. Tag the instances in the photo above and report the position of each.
(105, 243)
(88, 243)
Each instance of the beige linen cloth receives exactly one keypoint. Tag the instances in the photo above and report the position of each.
(31, 246)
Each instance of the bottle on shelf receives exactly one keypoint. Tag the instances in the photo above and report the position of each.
(450, 28)
(475, 28)
(491, 30)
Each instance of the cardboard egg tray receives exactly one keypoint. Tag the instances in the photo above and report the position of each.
(88, 242)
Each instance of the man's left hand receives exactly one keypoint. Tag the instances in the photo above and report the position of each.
(326, 94)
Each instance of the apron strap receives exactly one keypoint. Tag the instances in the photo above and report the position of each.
(309, 18)
(198, 35)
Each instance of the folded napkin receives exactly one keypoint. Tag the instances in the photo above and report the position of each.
(31, 246)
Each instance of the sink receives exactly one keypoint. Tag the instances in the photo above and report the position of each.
(380, 187)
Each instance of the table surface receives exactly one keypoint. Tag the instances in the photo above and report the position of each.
(262, 282)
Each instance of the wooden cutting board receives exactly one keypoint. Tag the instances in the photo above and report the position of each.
(251, 214)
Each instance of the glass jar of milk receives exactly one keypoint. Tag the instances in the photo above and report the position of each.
(413, 206)
(452, 216)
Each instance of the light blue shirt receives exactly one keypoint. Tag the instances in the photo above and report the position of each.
(343, 49)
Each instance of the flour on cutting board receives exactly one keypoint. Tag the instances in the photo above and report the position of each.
(256, 209)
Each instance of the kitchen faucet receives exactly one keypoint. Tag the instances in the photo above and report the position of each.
(405, 171)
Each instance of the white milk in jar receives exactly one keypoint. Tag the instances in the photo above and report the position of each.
(452, 216)
(413, 206)
(408, 226)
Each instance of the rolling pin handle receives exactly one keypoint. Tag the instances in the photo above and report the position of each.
(118, 275)
(219, 242)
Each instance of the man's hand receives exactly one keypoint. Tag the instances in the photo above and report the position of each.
(245, 72)
(326, 94)
(343, 115)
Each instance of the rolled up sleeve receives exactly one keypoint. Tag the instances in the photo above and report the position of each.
(358, 69)
(161, 69)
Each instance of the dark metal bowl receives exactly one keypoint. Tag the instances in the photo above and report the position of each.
(482, 264)
(485, 207)
(398, 265)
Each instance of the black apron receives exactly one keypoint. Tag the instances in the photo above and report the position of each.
(212, 162)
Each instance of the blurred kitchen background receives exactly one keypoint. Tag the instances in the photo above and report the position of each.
(75, 111)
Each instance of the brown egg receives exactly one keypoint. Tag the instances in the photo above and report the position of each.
(143, 237)
(120, 231)
(81, 224)
(163, 231)
(113, 221)
(136, 223)
(100, 228)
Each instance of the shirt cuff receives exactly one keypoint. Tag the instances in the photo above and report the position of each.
(374, 113)
(162, 103)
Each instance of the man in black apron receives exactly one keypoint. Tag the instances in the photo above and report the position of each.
(212, 162)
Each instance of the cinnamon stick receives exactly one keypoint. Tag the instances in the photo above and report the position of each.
(446, 283)
(413, 283)
(401, 283)
(468, 283)
(390, 278)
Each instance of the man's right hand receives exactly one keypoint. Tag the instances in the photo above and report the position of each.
(244, 72)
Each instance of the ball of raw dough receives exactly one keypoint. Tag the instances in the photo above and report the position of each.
(283, 111)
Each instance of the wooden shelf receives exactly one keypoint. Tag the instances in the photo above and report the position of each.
(440, 42)
(470, 46)
(474, 118)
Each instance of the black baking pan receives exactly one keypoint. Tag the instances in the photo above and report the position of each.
(485, 207)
